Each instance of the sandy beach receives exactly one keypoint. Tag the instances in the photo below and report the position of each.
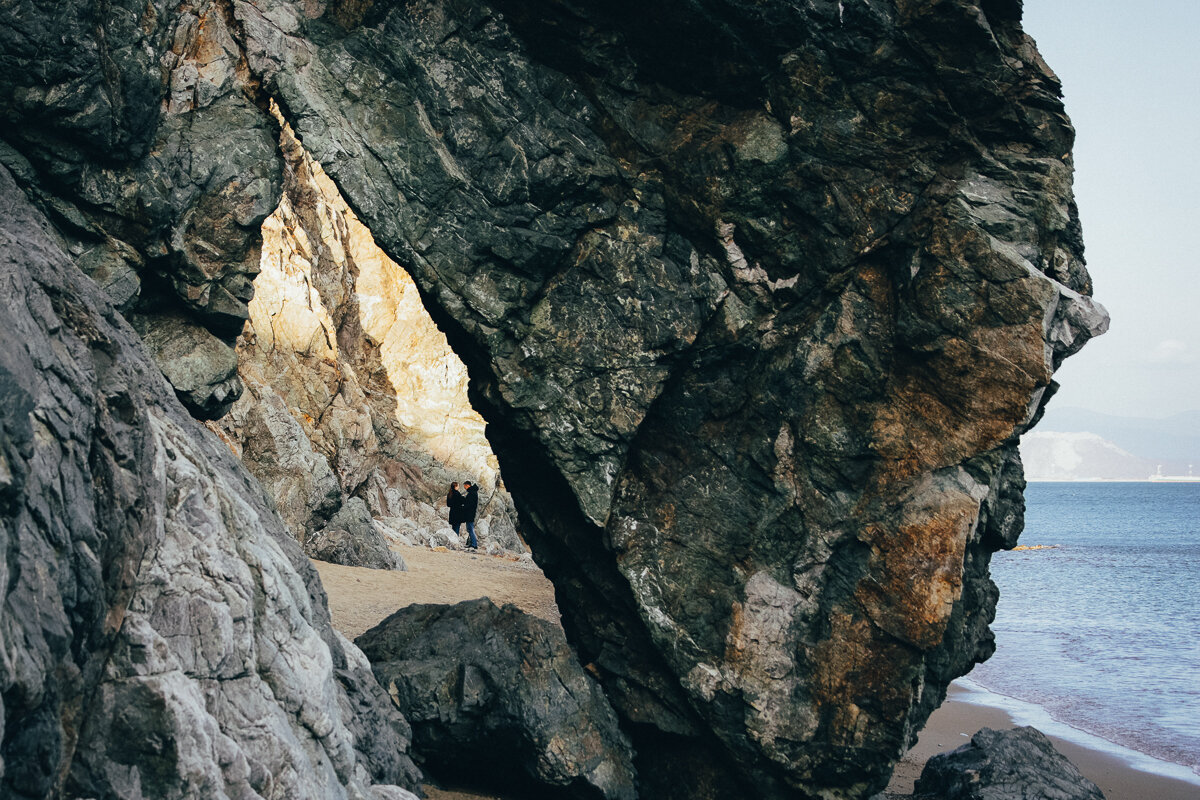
(952, 726)
(360, 598)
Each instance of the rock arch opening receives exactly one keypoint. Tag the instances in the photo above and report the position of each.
(354, 415)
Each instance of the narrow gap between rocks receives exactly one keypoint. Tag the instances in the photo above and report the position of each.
(355, 419)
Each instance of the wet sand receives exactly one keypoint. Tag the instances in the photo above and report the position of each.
(953, 725)
(361, 598)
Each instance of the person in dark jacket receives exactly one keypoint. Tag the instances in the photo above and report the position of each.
(455, 501)
(470, 506)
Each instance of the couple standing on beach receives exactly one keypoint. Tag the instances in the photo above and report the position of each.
(463, 509)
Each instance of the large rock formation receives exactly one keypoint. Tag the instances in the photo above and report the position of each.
(754, 335)
(496, 697)
(163, 636)
(139, 129)
(755, 299)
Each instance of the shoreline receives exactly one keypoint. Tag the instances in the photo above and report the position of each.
(1111, 480)
(1117, 771)
(359, 598)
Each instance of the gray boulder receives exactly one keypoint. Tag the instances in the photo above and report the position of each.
(490, 691)
(1016, 764)
(276, 451)
(163, 635)
(352, 538)
(201, 367)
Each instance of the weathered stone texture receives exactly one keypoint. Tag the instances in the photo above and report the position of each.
(755, 299)
(163, 636)
(1004, 765)
(137, 126)
(492, 690)
(754, 335)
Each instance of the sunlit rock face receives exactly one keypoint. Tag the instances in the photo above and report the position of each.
(754, 297)
(351, 388)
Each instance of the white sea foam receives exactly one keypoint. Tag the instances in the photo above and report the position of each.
(1023, 713)
(1100, 634)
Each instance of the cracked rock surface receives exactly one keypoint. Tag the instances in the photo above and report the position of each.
(755, 299)
(754, 335)
(163, 635)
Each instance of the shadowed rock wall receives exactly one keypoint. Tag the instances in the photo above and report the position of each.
(163, 636)
(755, 298)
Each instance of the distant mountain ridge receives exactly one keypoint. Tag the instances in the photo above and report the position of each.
(1078, 456)
(1173, 440)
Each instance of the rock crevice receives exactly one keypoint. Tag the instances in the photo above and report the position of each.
(354, 397)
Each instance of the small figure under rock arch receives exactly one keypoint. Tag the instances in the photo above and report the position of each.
(470, 505)
(454, 500)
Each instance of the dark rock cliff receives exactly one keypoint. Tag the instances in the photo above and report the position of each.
(755, 298)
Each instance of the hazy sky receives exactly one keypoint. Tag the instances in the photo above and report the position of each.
(1131, 83)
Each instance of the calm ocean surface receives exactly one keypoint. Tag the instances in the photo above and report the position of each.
(1102, 632)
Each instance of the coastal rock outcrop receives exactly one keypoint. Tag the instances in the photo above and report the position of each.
(492, 690)
(1004, 765)
(755, 298)
(163, 635)
(755, 336)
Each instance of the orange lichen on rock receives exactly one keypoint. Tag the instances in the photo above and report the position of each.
(916, 572)
(853, 681)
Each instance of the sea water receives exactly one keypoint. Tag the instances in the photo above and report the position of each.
(1101, 631)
